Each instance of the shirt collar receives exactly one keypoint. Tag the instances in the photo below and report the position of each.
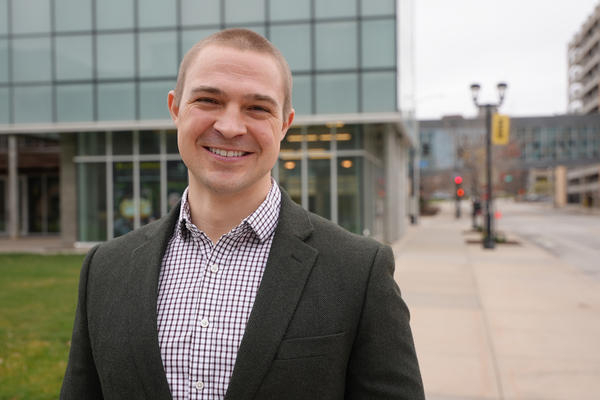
(262, 222)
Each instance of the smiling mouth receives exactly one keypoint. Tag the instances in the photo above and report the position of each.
(226, 153)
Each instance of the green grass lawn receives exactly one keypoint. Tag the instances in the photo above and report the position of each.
(38, 297)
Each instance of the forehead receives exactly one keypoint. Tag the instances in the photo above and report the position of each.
(228, 65)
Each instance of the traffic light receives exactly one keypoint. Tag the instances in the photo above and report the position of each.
(460, 192)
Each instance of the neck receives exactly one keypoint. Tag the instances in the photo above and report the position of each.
(217, 213)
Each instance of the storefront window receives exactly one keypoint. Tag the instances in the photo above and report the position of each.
(177, 179)
(150, 142)
(318, 138)
(123, 205)
(290, 176)
(149, 192)
(350, 193)
(122, 142)
(91, 200)
(172, 142)
(91, 144)
(319, 189)
(2, 205)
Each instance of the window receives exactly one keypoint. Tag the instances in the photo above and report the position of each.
(156, 13)
(158, 54)
(153, 99)
(113, 47)
(30, 16)
(74, 103)
(302, 94)
(336, 45)
(377, 7)
(33, 104)
(74, 57)
(91, 201)
(3, 61)
(244, 11)
(378, 43)
(91, 144)
(31, 60)
(335, 8)
(73, 15)
(191, 37)
(379, 91)
(107, 18)
(294, 43)
(116, 101)
(284, 10)
(205, 12)
(337, 93)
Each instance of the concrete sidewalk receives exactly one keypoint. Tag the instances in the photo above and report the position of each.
(511, 323)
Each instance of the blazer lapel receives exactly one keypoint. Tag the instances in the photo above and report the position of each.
(143, 288)
(288, 267)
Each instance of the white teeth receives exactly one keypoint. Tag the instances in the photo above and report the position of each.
(225, 153)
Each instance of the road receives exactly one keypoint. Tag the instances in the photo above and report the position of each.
(571, 234)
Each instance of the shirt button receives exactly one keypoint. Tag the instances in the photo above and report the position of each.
(214, 268)
(204, 323)
(199, 385)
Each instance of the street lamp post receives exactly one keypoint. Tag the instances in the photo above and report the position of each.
(488, 240)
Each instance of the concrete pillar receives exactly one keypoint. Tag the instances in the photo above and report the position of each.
(68, 190)
(13, 187)
(560, 186)
(396, 186)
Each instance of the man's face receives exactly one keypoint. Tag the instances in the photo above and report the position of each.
(229, 120)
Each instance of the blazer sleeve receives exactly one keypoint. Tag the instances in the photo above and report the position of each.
(81, 378)
(383, 363)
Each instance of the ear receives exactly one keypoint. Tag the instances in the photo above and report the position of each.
(173, 108)
(287, 123)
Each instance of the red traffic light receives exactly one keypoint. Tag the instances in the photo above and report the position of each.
(460, 192)
(458, 179)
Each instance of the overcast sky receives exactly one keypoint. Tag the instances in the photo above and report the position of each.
(521, 42)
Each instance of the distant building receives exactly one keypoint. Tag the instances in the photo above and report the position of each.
(454, 145)
(584, 67)
(87, 147)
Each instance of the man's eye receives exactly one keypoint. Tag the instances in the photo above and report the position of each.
(259, 108)
(208, 100)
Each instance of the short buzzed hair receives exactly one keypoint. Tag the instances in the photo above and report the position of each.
(241, 39)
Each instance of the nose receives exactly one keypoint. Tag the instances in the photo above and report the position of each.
(230, 123)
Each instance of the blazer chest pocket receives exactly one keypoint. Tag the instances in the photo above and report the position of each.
(312, 346)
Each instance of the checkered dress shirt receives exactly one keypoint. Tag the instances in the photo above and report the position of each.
(205, 295)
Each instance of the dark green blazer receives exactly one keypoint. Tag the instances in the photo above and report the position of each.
(327, 323)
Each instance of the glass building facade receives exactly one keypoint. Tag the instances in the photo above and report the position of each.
(96, 73)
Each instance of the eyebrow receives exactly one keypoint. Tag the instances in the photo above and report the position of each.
(254, 96)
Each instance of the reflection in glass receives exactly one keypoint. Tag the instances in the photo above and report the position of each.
(122, 142)
(115, 46)
(153, 99)
(294, 43)
(378, 43)
(91, 201)
(350, 193)
(156, 13)
(149, 142)
(30, 16)
(177, 180)
(244, 11)
(74, 57)
(91, 144)
(337, 93)
(149, 191)
(205, 12)
(73, 15)
(116, 101)
(289, 176)
(336, 45)
(107, 18)
(33, 103)
(74, 103)
(282, 10)
(158, 54)
(31, 59)
(319, 189)
(123, 207)
(379, 91)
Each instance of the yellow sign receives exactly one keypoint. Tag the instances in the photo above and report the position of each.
(500, 129)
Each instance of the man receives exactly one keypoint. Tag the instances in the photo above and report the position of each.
(239, 293)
